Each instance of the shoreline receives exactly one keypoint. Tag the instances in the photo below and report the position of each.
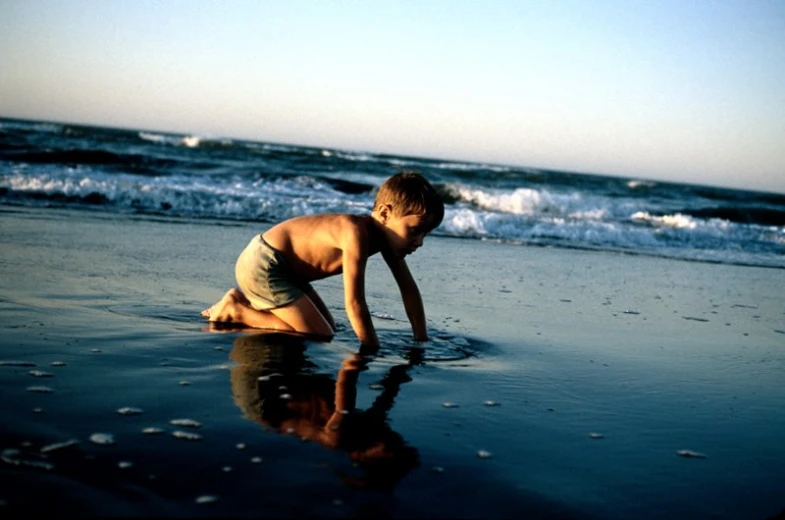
(654, 356)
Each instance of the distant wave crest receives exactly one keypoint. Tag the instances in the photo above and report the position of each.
(143, 172)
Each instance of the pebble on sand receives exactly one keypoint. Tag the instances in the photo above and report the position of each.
(186, 436)
(102, 438)
(40, 389)
(188, 423)
(40, 373)
(59, 445)
(129, 410)
(689, 454)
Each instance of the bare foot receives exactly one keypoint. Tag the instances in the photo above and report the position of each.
(224, 310)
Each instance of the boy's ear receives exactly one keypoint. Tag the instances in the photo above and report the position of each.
(385, 212)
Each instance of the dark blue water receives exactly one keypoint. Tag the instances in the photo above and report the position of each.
(140, 172)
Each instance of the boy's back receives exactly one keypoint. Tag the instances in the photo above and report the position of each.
(315, 245)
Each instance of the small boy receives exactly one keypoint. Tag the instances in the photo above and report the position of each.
(275, 270)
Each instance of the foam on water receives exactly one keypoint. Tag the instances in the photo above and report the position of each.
(195, 176)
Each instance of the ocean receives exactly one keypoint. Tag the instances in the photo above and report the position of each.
(599, 348)
(53, 165)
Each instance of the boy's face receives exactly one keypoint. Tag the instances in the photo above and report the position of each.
(406, 233)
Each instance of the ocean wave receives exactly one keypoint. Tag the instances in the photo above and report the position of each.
(137, 163)
(143, 172)
(20, 126)
(639, 184)
(187, 141)
(675, 236)
(233, 197)
(677, 220)
(521, 201)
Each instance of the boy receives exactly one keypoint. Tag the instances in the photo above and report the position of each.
(274, 271)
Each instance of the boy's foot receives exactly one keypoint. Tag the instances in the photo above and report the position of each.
(223, 310)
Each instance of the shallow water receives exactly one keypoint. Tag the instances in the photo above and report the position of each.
(590, 404)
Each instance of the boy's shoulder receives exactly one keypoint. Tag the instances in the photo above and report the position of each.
(327, 219)
(341, 221)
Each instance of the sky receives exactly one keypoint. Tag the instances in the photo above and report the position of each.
(679, 90)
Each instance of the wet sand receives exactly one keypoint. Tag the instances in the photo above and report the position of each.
(558, 384)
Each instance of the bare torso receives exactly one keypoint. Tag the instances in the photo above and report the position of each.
(313, 244)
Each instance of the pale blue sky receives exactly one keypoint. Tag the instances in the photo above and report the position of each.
(681, 90)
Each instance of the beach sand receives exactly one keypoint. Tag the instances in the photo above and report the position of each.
(558, 384)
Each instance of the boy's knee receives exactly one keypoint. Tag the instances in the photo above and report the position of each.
(327, 332)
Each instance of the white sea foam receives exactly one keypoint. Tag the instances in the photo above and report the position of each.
(354, 156)
(473, 167)
(676, 221)
(523, 201)
(190, 141)
(635, 184)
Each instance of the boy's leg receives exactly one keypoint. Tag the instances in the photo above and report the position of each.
(299, 316)
(317, 300)
(234, 307)
(303, 315)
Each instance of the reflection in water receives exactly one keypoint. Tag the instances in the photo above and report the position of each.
(275, 385)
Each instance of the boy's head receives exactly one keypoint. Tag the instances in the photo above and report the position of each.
(409, 193)
(407, 207)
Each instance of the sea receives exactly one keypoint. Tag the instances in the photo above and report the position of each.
(125, 171)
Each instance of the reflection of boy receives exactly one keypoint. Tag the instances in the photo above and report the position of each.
(320, 409)
(274, 271)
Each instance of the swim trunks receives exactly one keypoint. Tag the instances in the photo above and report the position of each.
(265, 277)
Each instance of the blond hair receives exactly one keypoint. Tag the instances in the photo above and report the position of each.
(409, 193)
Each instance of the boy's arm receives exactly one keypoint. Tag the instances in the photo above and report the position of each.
(355, 256)
(410, 293)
